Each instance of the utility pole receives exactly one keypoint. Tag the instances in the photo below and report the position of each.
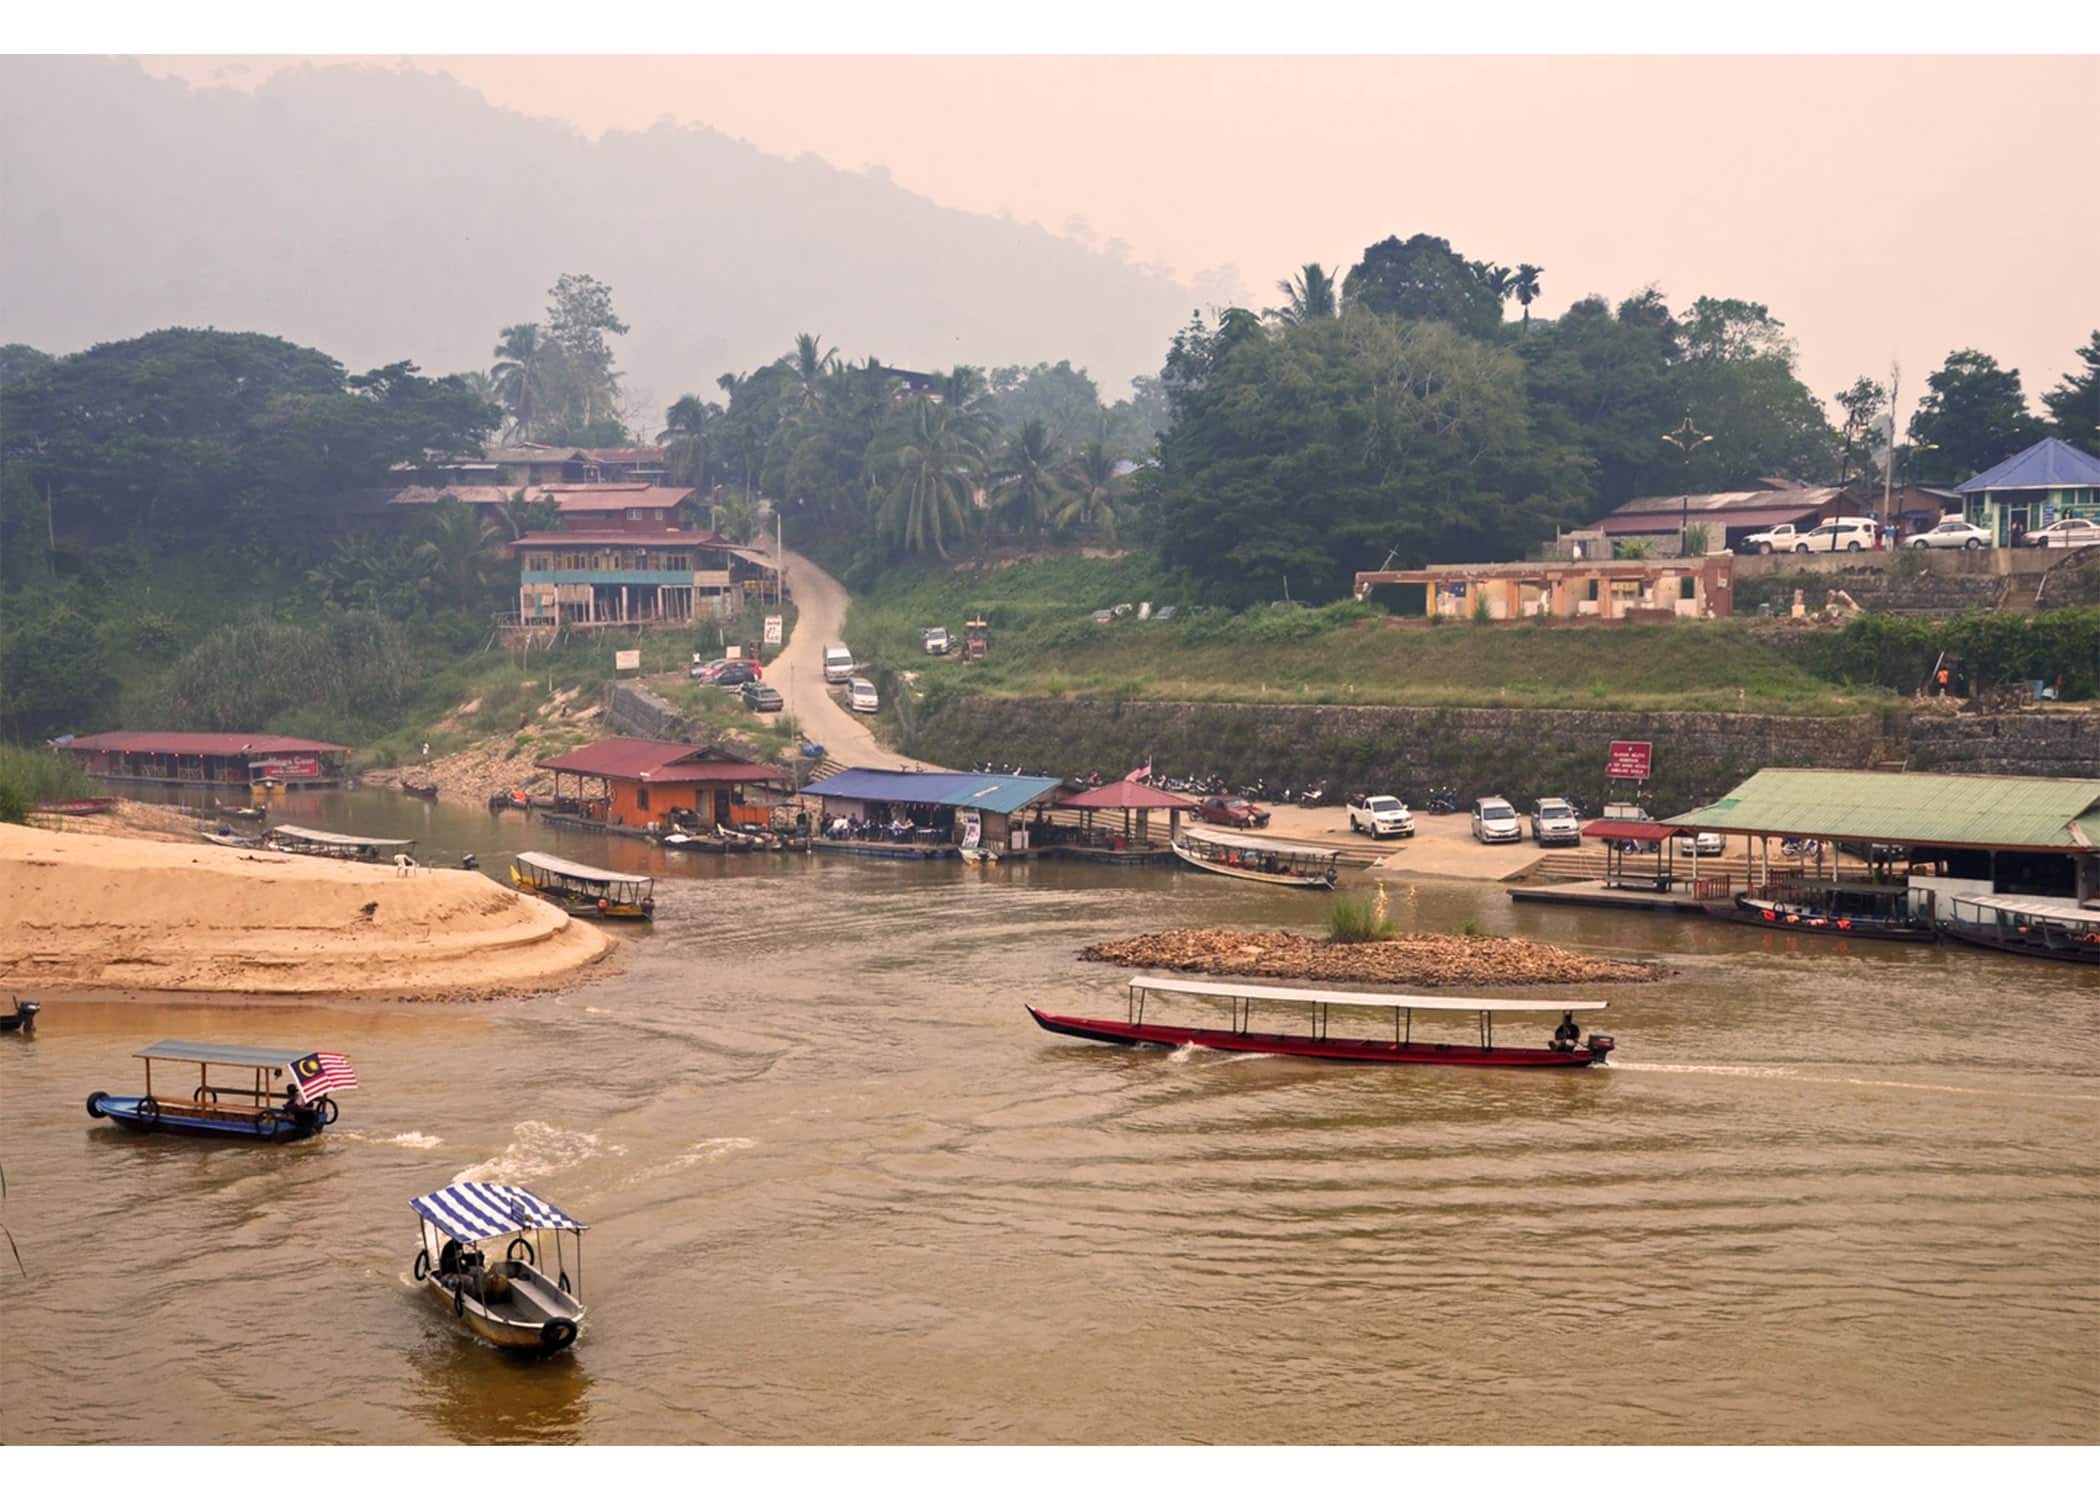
(1888, 470)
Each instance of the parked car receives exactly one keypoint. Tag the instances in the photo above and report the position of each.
(1953, 532)
(2071, 531)
(838, 663)
(936, 640)
(735, 674)
(1701, 842)
(1840, 534)
(1233, 812)
(1553, 821)
(1495, 822)
(706, 671)
(761, 699)
(860, 696)
(1778, 539)
(1380, 816)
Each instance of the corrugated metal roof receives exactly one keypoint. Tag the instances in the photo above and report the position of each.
(1127, 794)
(631, 538)
(1895, 807)
(1727, 500)
(611, 495)
(222, 1052)
(658, 762)
(1002, 794)
(2050, 463)
(144, 742)
(1662, 522)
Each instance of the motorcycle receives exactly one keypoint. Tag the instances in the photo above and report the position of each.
(1314, 795)
(1441, 799)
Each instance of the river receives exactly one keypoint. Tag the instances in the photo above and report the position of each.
(843, 1191)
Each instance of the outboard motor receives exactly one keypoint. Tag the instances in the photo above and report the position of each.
(1601, 1046)
(470, 862)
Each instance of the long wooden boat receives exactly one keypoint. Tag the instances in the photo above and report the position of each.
(584, 890)
(413, 789)
(228, 839)
(511, 1301)
(251, 814)
(1317, 1040)
(2037, 926)
(286, 838)
(77, 807)
(1270, 864)
(1822, 920)
(273, 1094)
(22, 1018)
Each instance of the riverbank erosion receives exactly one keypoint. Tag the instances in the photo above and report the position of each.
(1429, 959)
(82, 911)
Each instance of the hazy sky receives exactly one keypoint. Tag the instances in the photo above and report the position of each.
(1883, 208)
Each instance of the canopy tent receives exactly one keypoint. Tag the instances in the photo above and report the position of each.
(1129, 797)
(554, 865)
(471, 1211)
(1158, 985)
(959, 789)
(232, 1057)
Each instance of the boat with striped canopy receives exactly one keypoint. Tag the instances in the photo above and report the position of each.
(1317, 1038)
(511, 1301)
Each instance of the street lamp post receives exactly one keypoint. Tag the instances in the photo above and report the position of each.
(1685, 438)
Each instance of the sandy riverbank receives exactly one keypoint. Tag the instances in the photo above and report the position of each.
(1429, 959)
(83, 911)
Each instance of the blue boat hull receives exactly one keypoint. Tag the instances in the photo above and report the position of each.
(130, 1112)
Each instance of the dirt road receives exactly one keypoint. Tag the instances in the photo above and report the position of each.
(820, 618)
(1442, 846)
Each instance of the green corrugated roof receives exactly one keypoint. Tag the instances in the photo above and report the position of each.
(1997, 812)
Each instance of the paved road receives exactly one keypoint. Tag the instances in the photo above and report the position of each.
(820, 618)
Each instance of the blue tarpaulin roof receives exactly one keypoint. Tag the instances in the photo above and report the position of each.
(2050, 464)
(1001, 794)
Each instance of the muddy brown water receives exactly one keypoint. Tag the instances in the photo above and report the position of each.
(842, 1190)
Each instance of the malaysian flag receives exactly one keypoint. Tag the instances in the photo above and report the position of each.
(1142, 773)
(320, 1073)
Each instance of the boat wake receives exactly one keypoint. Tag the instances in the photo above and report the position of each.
(536, 1150)
(713, 1149)
(1793, 1075)
(408, 1140)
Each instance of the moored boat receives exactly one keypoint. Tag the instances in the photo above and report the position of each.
(77, 807)
(21, 1018)
(2037, 926)
(584, 890)
(511, 1301)
(251, 814)
(1317, 1039)
(243, 1101)
(427, 791)
(1831, 916)
(286, 838)
(1270, 864)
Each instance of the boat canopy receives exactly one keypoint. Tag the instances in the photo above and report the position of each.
(337, 840)
(1237, 991)
(1259, 845)
(470, 1211)
(232, 1057)
(553, 865)
(2037, 908)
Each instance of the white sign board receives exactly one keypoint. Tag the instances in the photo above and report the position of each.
(732, 653)
(627, 661)
(772, 630)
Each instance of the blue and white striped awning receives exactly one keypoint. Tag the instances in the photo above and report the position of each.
(470, 1211)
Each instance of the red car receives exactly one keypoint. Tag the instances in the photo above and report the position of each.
(1233, 812)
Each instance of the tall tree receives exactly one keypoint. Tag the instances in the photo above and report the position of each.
(581, 319)
(1973, 415)
(811, 362)
(2074, 405)
(931, 480)
(458, 545)
(1026, 483)
(1423, 278)
(688, 437)
(1090, 495)
(1526, 288)
(1863, 403)
(524, 374)
(1498, 279)
(1311, 294)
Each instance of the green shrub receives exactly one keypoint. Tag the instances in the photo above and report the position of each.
(1353, 918)
(29, 775)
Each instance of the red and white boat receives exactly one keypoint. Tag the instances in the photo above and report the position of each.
(1312, 1034)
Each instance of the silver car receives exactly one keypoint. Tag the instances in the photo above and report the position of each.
(1495, 822)
(1553, 821)
(1953, 532)
(1701, 843)
(2071, 531)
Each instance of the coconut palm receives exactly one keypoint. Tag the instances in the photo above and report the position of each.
(458, 544)
(1026, 488)
(1526, 288)
(1312, 295)
(738, 518)
(524, 373)
(1090, 496)
(810, 363)
(932, 484)
(689, 438)
(1497, 279)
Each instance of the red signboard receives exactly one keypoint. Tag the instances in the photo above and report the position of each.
(285, 767)
(1629, 759)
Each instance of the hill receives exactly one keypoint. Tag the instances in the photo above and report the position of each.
(387, 212)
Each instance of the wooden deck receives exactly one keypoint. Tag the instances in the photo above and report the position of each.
(1597, 893)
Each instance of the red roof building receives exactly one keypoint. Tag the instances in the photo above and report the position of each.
(642, 783)
(236, 760)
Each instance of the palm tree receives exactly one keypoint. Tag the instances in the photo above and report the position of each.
(1312, 295)
(457, 543)
(522, 374)
(1091, 499)
(810, 362)
(521, 515)
(1028, 485)
(1497, 279)
(1526, 288)
(737, 518)
(688, 436)
(929, 497)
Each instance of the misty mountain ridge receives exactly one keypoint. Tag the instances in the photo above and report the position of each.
(389, 213)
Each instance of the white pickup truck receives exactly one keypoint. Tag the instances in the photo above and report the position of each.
(936, 639)
(1782, 538)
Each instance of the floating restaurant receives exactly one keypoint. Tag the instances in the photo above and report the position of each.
(220, 760)
(927, 814)
(637, 785)
(1135, 842)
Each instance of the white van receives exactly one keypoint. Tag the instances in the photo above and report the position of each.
(838, 663)
(860, 696)
(1839, 534)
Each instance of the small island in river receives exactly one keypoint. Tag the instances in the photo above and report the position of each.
(1432, 959)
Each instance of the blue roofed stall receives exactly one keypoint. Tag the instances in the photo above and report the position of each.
(929, 814)
(2037, 487)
